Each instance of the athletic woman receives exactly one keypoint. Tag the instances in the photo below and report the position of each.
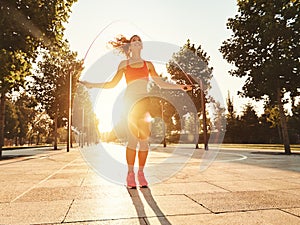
(137, 72)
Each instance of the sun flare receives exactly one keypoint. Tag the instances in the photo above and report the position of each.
(108, 108)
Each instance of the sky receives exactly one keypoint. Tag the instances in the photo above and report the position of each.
(93, 23)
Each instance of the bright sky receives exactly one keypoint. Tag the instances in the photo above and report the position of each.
(171, 21)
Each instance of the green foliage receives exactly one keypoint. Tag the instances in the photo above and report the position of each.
(84, 119)
(189, 64)
(27, 24)
(249, 128)
(294, 123)
(265, 47)
(39, 129)
(26, 112)
(11, 122)
(15, 66)
(51, 80)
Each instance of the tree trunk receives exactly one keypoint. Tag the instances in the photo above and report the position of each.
(285, 135)
(2, 120)
(196, 136)
(16, 140)
(38, 139)
(279, 132)
(55, 131)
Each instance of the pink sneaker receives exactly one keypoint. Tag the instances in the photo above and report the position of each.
(142, 180)
(131, 180)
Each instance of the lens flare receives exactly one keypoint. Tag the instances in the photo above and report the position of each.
(109, 160)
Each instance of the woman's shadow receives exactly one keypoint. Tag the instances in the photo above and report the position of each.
(140, 209)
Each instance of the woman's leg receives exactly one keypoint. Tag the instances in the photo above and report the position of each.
(131, 152)
(144, 134)
(132, 139)
(130, 158)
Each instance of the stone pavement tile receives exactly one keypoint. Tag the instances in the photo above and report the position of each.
(68, 175)
(77, 165)
(72, 192)
(247, 200)
(262, 173)
(102, 209)
(10, 191)
(294, 211)
(166, 204)
(74, 171)
(33, 212)
(293, 180)
(141, 204)
(95, 180)
(134, 221)
(63, 182)
(292, 191)
(50, 194)
(99, 191)
(193, 174)
(255, 185)
(21, 176)
(262, 217)
(185, 188)
(172, 205)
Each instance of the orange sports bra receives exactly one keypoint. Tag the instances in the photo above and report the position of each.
(132, 73)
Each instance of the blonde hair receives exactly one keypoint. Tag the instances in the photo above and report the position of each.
(121, 43)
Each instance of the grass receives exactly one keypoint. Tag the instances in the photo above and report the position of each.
(294, 147)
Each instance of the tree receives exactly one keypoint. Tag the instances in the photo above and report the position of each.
(25, 25)
(84, 119)
(25, 107)
(270, 131)
(51, 82)
(250, 124)
(233, 123)
(190, 65)
(14, 68)
(294, 122)
(11, 123)
(219, 122)
(265, 48)
(40, 128)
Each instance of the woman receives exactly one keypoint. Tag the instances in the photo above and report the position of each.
(136, 71)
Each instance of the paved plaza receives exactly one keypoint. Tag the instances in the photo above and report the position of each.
(236, 187)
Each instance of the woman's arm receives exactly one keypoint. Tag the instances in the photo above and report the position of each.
(110, 84)
(162, 84)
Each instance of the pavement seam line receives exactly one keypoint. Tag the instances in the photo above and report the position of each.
(218, 186)
(34, 186)
(249, 210)
(65, 217)
(290, 213)
(198, 203)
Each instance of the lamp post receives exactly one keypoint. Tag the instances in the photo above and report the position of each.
(69, 110)
(163, 124)
(203, 101)
(82, 130)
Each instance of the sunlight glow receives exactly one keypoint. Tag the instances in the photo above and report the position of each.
(104, 105)
(107, 100)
